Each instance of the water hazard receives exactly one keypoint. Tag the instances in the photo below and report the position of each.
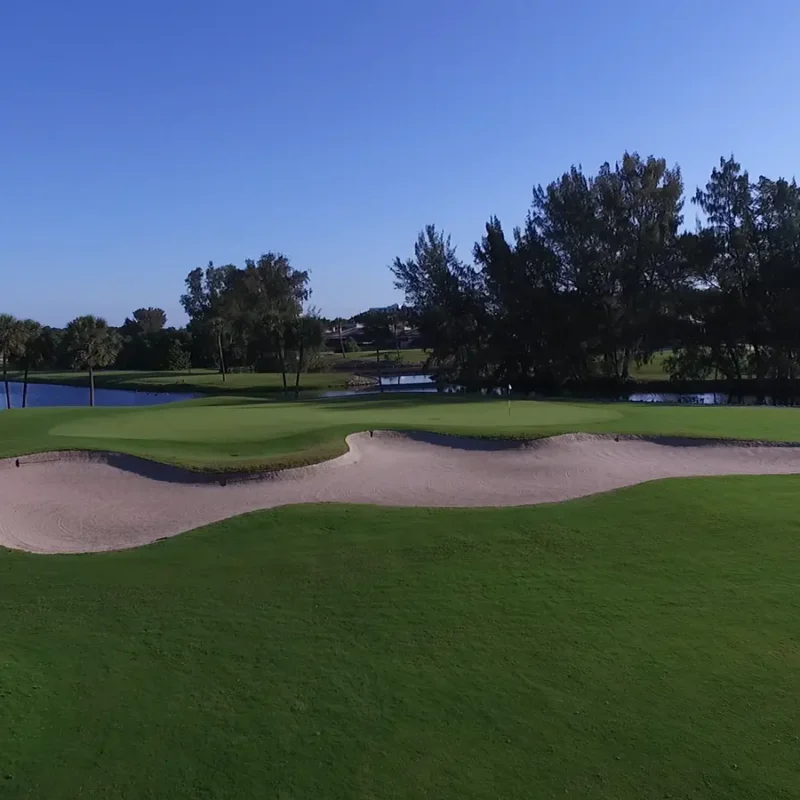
(47, 394)
(427, 384)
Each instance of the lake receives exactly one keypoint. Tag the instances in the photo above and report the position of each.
(48, 394)
(426, 384)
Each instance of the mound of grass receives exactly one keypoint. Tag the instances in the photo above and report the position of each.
(643, 644)
(241, 433)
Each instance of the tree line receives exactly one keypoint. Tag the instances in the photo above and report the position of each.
(254, 318)
(87, 343)
(603, 274)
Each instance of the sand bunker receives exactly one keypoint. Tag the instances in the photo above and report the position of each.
(84, 502)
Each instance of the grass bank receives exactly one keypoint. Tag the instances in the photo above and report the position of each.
(642, 644)
(337, 372)
(243, 433)
(199, 381)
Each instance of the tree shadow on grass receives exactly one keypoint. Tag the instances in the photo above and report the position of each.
(398, 400)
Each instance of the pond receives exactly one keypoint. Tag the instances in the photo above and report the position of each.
(399, 381)
(426, 384)
(48, 394)
(705, 399)
(700, 399)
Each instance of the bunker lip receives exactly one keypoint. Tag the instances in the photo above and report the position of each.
(90, 501)
(174, 473)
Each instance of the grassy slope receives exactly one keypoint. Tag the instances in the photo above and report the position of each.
(642, 644)
(241, 433)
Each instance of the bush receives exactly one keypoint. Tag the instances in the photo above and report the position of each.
(178, 359)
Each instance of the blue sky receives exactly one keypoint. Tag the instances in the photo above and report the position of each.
(142, 138)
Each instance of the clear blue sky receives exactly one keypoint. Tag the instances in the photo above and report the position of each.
(142, 138)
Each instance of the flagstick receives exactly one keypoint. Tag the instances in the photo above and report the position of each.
(509, 399)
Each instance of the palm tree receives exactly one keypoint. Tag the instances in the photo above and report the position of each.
(92, 343)
(9, 345)
(30, 352)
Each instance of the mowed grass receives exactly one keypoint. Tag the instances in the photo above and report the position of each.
(412, 357)
(654, 369)
(265, 383)
(642, 644)
(237, 433)
(198, 381)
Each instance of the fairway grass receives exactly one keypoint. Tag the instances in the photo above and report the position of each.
(410, 357)
(199, 381)
(640, 644)
(208, 381)
(653, 370)
(247, 433)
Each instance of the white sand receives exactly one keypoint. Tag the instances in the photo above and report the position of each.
(81, 502)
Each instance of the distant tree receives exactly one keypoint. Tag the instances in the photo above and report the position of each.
(10, 335)
(31, 351)
(338, 326)
(178, 358)
(92, 344)
(209, 304)
(269, 296)
(447, 298)
(741, 320)
(54, 353)
(145, 321)
(309, 336)
(529, 336)
(615, 240)
(378, 331)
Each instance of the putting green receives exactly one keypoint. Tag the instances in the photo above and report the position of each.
(242, 432)
(225, 423)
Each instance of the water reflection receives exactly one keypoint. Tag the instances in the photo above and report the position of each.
(426, 384)
(48, 394)
(406, 380)
(701, 399)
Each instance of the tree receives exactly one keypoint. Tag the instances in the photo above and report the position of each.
(10, 334)
(31, 351)
(178, 358)
(601, 276)
(54, 354)
(145, 321)
(309, 334)
(447, 297)
(269, 296)
(740, 320)
(208, 302)
(338, 325)
(377, 330)
(529, 339)
(615, 237)
(92, 343)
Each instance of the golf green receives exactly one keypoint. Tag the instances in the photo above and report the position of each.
(639, 644)
(239, 432)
